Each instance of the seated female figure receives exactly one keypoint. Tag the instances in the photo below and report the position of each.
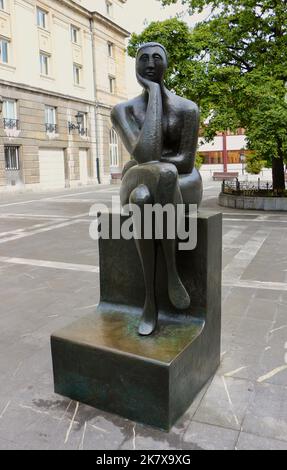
(160, 131)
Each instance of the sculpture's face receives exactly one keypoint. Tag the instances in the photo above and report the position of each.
(152, 63)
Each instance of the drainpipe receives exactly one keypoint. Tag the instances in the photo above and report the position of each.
(96, 101)
(1, 109)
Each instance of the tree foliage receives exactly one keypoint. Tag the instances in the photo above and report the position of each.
(198, 161)
(234, 65)
(254, 165)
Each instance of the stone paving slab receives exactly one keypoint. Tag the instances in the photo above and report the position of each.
(209, 437)
(267, 414)
(252, 442)
(242, 362)
(69, 244)
(12, 225)
(48, 208)
(225, 402)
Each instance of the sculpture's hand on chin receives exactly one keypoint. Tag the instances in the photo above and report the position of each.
(145, 83)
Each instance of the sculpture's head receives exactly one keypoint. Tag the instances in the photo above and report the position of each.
(152, 61)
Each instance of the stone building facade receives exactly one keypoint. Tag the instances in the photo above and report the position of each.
(62, 68)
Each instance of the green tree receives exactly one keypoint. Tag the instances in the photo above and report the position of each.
(253, 164)
(234, 65)
(198, 161)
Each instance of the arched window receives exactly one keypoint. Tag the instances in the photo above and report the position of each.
(114, 149)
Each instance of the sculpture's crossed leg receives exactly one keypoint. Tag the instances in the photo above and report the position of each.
(158, 185)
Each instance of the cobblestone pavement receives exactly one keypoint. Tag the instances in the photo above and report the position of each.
(49, 276)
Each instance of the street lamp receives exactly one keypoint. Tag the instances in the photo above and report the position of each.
(242, 160)
(79, 118)
(224, 152)
(79, 125)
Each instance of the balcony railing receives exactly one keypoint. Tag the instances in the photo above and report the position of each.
(11, 123)
(51, 128)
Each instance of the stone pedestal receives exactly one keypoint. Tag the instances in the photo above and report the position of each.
(101, 360)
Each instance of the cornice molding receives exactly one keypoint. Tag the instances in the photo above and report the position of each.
(107, 22)
(76, 7)
(35, 90)
(25, 4)
(42, 91)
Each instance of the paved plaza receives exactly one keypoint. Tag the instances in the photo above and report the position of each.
(50, 277)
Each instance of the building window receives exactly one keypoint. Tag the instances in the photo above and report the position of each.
(44, 64)
(114, 149)
(2, 5)
(4, 45)
(10, 109)
(42, 18)
(112, 83)
(77, 74)
(83, 124)
(110, 49)
(109, 8)
(12, 161)
(10, 114)
(75, 33)
(51, 120)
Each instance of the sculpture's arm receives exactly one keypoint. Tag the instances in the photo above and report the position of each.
(124, 125)
(150, 142)
(184, 160)
(143, 144)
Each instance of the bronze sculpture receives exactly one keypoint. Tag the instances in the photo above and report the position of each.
(160, 131)
(100, 359)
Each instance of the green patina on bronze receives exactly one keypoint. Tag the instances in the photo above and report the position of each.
(117, 332)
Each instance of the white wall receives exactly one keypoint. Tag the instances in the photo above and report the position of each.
(207, 171)
(27, 40)
(234, 142)
(118, 12)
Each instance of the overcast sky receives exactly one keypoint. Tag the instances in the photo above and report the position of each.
(139, 13)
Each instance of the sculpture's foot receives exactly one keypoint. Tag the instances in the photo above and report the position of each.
(149, 320)
(178, 294)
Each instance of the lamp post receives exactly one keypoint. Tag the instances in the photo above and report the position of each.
(1, 109)
(79, 125)
(224, 152)
(79, 118)
(242, 160)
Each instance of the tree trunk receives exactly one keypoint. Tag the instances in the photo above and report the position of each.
(278, 174)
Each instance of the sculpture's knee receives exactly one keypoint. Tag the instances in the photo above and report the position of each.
(140, 196)
(169, 175)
